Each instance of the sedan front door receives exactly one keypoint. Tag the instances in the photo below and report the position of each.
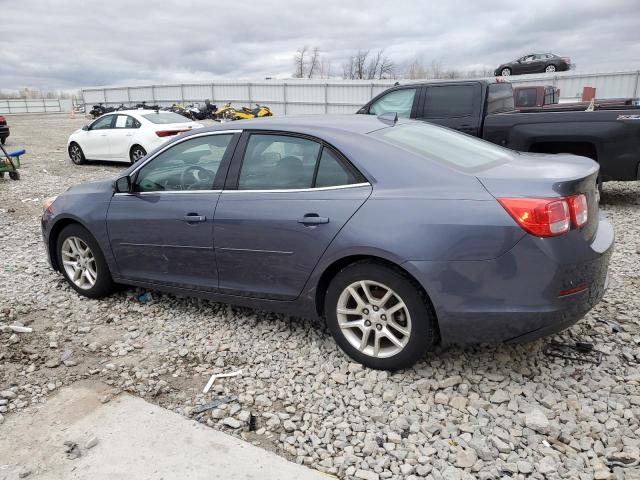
(95, 141)
(288, 198)
(162, 231)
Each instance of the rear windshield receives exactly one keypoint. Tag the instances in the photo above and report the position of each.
(165, 117)
(500, 98)
(445, 145)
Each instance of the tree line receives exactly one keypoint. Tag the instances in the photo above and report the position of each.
(309, 62)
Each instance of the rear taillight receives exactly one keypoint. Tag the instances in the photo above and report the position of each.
(168, 133)
(542, 217)
(547, 217)
(579, 210)
(3, 121)
(566, 59)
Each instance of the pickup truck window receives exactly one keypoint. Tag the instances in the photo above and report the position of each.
(500, 98)
(449, 101)
(445, 145)
(400, 101)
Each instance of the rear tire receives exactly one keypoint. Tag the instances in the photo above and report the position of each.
(76, 154)
(550, 69)
(14, 175)
(85, 270)
(398, 330)
(3, 140)
(136, 154)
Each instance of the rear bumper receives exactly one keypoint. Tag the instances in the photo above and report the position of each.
(515, 297)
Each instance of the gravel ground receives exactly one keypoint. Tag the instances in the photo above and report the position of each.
(479, 412)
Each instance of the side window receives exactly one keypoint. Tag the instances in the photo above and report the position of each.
(102, 123)
(331, 172)
(399, 101)
(125, 121)
(450, 101)
(273, 162)
(189, 165)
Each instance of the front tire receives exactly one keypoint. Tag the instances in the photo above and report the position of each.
(76, 154)
(378, 316)
(136, 154)
(506, 72)
(550, 69)
(82, 262)
(3, 140)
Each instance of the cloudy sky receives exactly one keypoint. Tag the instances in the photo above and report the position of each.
(65, 44)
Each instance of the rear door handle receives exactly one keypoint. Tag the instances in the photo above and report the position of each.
(313, 219)
(194, 217)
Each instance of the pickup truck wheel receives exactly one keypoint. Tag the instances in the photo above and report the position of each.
(505, 72)
(550, 69)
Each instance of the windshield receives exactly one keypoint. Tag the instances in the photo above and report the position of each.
(445, 145)
(165, 117)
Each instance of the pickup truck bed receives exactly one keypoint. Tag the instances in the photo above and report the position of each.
(485, 109)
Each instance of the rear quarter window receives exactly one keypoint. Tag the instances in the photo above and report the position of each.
(445, 146)
(500, 98)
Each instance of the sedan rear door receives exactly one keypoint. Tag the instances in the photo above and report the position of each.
(121, 136)
(285, 200)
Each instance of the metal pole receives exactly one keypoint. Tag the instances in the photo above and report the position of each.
(284, 96)
(249, 91)
(213, 97)
(636, 93)
(129, 96)
(326, 98)
(153, 94)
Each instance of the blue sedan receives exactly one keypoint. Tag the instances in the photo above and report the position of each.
(399, 234)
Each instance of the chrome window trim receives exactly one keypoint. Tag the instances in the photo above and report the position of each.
(290, 190)
(164, 192)
(293, 190)
(166, 147)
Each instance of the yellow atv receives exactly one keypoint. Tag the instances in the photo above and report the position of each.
(225, 113)
(247, 113)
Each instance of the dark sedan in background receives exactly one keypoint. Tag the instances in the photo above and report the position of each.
(399, 233)
(534, 63)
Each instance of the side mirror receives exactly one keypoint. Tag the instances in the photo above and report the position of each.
(85, 128)
(122, 185)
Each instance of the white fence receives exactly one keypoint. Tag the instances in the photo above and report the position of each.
(34, 105)
(287, 97)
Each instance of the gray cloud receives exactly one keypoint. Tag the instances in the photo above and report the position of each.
(73, 43)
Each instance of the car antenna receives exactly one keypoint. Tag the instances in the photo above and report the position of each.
(390, 118)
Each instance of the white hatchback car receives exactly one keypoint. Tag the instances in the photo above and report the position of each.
(126, 135)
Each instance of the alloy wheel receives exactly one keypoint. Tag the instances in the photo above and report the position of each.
(550, 68)
(505, 72)
(137, 154)
(79, 263)
(75, 153)
(374, 319)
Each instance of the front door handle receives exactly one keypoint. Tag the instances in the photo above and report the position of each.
(194, 217)
(313, 219)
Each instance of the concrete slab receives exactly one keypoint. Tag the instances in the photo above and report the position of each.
(135, 440)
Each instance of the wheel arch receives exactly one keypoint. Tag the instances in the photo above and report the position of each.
(52, 241)
(332, 270)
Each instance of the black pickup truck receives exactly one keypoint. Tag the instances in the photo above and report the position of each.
(485, 109)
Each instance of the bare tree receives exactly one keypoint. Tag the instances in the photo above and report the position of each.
(300, 62)
(359, 64)
(314, 62)
(348, 68)
(374, 65)
(386, 69)
(325, 68)
(416, 70)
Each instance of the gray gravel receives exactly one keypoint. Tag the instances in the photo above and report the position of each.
(480, 412)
